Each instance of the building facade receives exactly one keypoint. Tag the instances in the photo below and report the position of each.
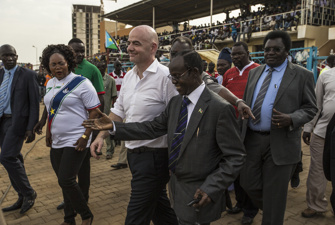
(86, 26)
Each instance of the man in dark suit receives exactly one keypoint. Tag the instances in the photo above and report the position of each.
(205, 149)
(19, 109)
(282, 99)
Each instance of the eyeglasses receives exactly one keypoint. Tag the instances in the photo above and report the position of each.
(274, 49)
(176, 78)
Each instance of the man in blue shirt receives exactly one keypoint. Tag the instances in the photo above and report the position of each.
(282, 98)
(19, 109)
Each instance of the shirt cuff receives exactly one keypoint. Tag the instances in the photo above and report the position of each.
(112, 132)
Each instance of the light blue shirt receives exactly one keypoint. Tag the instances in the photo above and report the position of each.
(7, 109)
(267, 106)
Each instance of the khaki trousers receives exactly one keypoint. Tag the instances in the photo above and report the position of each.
(316, 180)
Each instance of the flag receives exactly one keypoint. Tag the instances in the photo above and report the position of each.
(110, 42)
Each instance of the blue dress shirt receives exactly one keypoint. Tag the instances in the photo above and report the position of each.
(7, 109)
(267, 106)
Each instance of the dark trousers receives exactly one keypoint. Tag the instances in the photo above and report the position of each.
(243, 200)
(66, 163)
(84, 174)
(148, 200)
(265, 182)
(12, 159)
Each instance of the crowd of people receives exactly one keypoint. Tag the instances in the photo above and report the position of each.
(181, 126)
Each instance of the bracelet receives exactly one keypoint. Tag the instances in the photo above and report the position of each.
(238, 101)
(84, 137)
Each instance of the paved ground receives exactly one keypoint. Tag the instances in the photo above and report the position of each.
(109, 194)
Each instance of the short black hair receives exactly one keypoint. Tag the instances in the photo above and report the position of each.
(279, 34)
(75, 40)
(193, 60)
(183, 39)
(331, 59)
(243, 44)
(65, 50)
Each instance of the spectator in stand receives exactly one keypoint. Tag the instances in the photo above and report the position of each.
(272, 23)
(234, 32)
(211, 72)
(288, 21)
(235, 79)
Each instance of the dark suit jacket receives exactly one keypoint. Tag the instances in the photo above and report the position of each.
(24, 100)
(295, 97)
(329, 151)
(210, 157)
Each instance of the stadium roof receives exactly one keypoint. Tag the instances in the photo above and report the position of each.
(168, 11)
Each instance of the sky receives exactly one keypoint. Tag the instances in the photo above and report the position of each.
(28, 23)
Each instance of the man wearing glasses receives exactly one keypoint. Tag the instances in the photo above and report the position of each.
(282, 99)
(201, 165)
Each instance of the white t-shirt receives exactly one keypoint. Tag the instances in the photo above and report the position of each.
(66, 126)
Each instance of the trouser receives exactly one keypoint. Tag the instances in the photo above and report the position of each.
(110, 145)
(187, 223)
(243, 200)
(265, 182)
(123, 154)
(148, 199)
(84, 174)
(66, 163)
(12, 159)
(316, 180)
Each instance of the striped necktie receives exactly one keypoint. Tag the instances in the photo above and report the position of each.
(3, 92)
(178, 135)
(260, 97)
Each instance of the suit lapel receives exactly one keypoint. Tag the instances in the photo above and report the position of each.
(252, 84)
(15, 78)
(197, 114)
(285, 82)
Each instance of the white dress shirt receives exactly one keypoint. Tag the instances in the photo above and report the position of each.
(194, 97)
(144, 99)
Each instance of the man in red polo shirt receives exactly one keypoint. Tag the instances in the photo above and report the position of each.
(235, 80)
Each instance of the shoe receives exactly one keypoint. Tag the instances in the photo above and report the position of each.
(66, 223)
(28, 202)
(295, 181)
(234, 210)
(119, 166)
(109, 156)
(309, 213)
(15, 206)
(247, 220)
(60, 206)
(88, 221)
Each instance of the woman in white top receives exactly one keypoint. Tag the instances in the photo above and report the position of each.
(70, 99)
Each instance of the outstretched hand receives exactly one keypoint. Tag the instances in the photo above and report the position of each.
(103, 123)
(244, 110)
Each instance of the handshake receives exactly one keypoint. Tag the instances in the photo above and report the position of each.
(102, 123)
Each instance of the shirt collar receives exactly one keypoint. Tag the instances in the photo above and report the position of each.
(195, 94)
(81, 64)
(278, 68)
(244, 68)
(151, 69)
(12, 71)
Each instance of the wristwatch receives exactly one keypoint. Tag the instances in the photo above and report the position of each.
(238, 101)
(84, 137)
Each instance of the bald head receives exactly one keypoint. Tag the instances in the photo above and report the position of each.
(142, 45)
(148, 32)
